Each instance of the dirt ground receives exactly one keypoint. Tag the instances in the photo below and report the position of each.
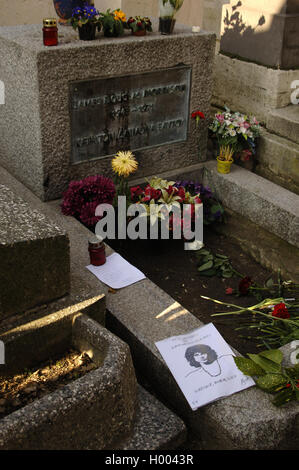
(21, 389)
(176, 272)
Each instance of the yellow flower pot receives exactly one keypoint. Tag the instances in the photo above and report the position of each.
(224, 166)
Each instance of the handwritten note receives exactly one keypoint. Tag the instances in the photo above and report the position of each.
(116, 272)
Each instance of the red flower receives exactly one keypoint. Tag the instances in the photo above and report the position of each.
(151, 193)
(87, 215)
(135, 193)
(172, 190)
(244, 285)
(229, 291)
(181, 193)
(198, 115)
(280, 311)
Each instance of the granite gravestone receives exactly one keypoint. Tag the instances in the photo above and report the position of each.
(70, 108)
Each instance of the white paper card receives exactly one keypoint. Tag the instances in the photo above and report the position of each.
(116, 272)
(202, 364)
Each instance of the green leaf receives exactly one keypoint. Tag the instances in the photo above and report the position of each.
(283, 397)
(274, 355)
(248, 367)
(270, 382)
(209, 273)
(206, 266)
(265, 364)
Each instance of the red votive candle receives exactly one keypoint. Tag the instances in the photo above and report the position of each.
(50, 32)
(97, 251)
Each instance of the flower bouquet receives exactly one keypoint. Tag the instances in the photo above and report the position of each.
(235, 134)
(86, 20)
(114, 22)
(82, 197)
(163, 202)
(139, 25)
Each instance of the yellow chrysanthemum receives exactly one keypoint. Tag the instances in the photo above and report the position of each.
(124, 163)
(119, 15)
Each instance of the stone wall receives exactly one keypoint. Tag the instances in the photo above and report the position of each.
(264, 32)
(16, 12)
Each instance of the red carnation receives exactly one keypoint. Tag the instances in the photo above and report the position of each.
(280, 311)
(198, 115)
(245, 285)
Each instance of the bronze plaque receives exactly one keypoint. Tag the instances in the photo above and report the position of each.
(129, 112)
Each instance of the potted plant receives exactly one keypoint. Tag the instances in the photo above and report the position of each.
(139, 25)
(86, 20)
(239, 132)
(114, 22)
(168, 10)
(64, 8)
(225, 159)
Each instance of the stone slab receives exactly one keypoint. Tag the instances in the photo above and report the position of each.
(155, 426)
(88, 413)
(285, 122)
(40, 155)
(34, 254)
(251, 88)
(266, 248)
(268, 205)
(278, 159)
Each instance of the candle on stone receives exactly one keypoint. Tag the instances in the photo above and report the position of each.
(50, 32)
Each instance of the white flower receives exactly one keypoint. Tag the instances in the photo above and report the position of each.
(232, 132)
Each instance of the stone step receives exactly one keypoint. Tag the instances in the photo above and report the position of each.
(278, 160)
(263, 202)
(34, 253)
(285, 122)
(156, 427)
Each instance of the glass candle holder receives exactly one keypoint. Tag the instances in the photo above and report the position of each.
(97, 253)
(50, 32)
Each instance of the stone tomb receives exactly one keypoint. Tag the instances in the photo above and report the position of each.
(70, 108)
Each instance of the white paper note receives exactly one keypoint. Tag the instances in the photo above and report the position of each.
(116, 272)
(203, 366)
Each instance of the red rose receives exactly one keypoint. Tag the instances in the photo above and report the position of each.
(136, 192)
(280, 311)
(229, 291)
(181, 193)
(171, 190)
(151, 193)
(244, 285)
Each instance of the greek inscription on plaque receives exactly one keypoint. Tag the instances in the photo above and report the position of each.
(129, 113)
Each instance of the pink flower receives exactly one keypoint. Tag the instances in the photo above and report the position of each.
(220, 118)
(229, 291)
